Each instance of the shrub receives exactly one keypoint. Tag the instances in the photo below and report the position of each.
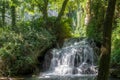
(63, 30)
(20, 49)
(115, 44)
(116, 57)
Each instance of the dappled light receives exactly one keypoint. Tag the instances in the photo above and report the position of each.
(59, 39)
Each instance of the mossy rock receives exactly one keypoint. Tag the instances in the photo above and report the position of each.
(115, 72)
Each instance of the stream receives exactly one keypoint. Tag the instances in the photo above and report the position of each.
(76, 60)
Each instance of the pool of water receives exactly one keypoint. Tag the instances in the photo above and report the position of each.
(67, 78)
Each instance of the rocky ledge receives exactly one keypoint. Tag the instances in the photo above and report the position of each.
(115, 71)
(7, 78)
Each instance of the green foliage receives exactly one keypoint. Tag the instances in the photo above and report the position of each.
(116, 57)
(63, 30)
(41, 23)
(77, 13)
(115, 44)
(55, 4)
(95, 27)
(94, 31)
(20, 49)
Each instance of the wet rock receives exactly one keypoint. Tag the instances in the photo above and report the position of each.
(7, 78)
(75, 57)
(115, 70)
(115, 73)
(75, 71)
(70, 41)
(47, 60)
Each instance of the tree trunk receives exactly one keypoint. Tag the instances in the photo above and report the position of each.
(45, 14)
(88, 12)
(13, 15)
(103, 72)
(3, 13)
(57, 26)
(61, 13)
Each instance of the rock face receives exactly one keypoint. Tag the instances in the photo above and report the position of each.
(47, 60)
(7, 78)
(115, 71)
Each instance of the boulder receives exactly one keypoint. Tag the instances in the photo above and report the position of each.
(47, 60)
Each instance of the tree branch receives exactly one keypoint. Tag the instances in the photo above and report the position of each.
(61, 13)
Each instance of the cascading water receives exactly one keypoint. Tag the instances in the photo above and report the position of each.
(76, 57)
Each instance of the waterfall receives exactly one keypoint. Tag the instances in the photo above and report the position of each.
(76, 57)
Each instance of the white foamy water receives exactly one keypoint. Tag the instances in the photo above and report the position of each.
(76, 58)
